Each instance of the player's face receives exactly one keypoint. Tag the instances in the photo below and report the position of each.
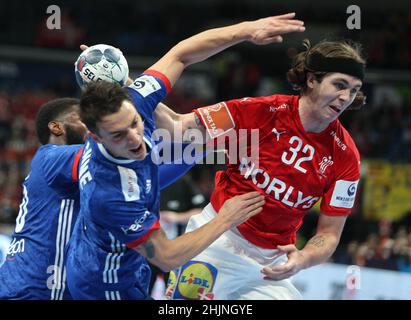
(122, 133)
(334, 94)
(75, 130)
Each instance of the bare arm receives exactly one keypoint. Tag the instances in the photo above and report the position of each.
(169, 254)
(205, 44)
(173, 122)
(317, 250)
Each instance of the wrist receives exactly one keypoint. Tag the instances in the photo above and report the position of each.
(243, 31)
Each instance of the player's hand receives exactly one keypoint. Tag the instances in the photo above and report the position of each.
(83, 47)
(240, 208)
(295, 263)
(269, 30)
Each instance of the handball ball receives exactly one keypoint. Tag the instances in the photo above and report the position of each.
(101, 63)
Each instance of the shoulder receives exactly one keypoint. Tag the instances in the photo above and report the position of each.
(345, 142)
(54, 150)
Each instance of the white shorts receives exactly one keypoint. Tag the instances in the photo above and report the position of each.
(229, 269)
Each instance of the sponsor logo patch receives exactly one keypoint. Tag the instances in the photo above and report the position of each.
(217, 119)
(146, 85)
(196, 281)
(344, 194)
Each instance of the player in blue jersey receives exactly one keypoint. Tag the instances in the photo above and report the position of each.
(34, 266)
(118, 223)
(34, 262)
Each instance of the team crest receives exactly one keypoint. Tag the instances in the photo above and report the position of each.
(196, 281)
(324, 164)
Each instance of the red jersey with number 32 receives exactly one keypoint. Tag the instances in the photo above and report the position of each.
(294, 168)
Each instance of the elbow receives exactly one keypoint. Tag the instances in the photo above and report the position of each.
(167, 263)
(166, 266)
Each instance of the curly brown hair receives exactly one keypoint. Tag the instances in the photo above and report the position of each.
(297, 75)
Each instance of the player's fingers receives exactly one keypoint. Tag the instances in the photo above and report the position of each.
(285, 16)
(83, 47)
(287, 248)
(254, 206)
(278, 277)
(249, 202)
(249, 195)
(293, 22)
(254, 212)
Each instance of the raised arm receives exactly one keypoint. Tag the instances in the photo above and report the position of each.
(205, 44)
(169, 254)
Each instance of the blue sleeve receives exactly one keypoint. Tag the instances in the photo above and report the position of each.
(59, 164)
(133, 222)
(147, 91)
(170, 172)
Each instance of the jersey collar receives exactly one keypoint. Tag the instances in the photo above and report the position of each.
(109, 157)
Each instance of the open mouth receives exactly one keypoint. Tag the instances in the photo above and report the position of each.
(137, 150)
(335, 109)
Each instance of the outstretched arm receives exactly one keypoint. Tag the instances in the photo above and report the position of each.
(317, 250)
(169, 254)
(205, 44)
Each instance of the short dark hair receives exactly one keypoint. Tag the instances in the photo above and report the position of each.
(100, 99)
(50, 111)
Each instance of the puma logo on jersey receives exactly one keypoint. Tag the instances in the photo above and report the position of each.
(280, 190)
(278, 133)
(283, 106)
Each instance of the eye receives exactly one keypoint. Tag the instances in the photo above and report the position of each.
(339, 85)
(134, 124)
(354, 92)
(117, 136)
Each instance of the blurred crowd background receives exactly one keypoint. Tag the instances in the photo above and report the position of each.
(36, 65)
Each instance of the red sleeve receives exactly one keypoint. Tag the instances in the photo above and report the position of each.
(339, 198)
(74, 168)
(161, 76)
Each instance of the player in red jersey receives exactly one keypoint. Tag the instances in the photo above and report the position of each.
(304, 155)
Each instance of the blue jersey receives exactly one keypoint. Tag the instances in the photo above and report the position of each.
(34, 266)
(119, 209)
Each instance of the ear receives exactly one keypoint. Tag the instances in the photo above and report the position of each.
(94, 136)
(56, 128)
(310, 80)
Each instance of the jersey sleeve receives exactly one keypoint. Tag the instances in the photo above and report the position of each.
(60, 166)
(339, 198)
(129, 222)
(225, 117)
(148, 90)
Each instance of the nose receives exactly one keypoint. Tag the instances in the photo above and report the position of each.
(134, 138)
(345, 95)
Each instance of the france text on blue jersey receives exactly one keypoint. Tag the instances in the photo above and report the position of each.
(34, 266)
(119, 208)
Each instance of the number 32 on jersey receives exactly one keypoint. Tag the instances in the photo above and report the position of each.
(290, 157)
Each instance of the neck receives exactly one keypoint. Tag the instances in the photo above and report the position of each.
(310, 120)
(57, 140)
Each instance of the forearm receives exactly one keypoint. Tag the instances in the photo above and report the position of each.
(206, 44)
(319, 249)
(180, 250)
(200, 47)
